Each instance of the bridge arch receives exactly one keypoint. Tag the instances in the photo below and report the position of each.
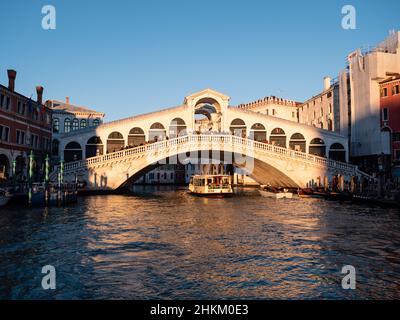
(94, 147)
(317, 147)
(337, 152)
(278, 137)
(72, 152)
(238, 128)
(115, 141)
(157, 132)
(258, 132)
(297, 142)
(136, 137)
(177, 127)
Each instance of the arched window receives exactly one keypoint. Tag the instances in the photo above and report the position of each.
(75, 124)
(238, 128)
(54, 148)
(337, 152)
(115, 142)
(317, 147)
(136, 137)
(72, 152)
(94, 147)
(157, 132)
(56, 125)
(258, 132)
(96, 122)
(177, 128)
(297, 142)
(83, 123)
(67, 125)
(278, 137)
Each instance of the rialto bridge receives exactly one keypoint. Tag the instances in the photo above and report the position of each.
(271, 150)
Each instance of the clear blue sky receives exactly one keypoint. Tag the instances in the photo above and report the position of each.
(132, 57)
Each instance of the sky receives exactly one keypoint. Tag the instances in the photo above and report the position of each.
(130, 57)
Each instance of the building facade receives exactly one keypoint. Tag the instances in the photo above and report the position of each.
(361, 102)
(322, 110)
(274, 107)
(25, 126)
(390, 120)
(67, 118)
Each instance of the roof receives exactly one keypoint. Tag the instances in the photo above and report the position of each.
(62, 106)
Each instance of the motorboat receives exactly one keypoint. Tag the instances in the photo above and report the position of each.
(271, 192)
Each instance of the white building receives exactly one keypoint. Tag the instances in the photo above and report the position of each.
(68, 118)
(274, 107)
(322, 110)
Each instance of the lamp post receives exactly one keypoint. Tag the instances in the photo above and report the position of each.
(46, 178)
(14, 170)
(30, 177)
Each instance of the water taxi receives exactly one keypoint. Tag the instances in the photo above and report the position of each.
(211, 185)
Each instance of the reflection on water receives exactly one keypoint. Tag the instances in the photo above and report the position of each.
(164, 243)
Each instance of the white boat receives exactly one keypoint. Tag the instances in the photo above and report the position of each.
(5, 196)
(211, 185)
(269, 192)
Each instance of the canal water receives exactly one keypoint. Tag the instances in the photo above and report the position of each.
(161, 243)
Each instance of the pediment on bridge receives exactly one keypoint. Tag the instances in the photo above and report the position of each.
(206, 94)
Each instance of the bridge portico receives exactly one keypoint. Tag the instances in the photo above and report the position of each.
(292, 147)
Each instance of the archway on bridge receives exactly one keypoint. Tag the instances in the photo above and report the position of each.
(207, 115)
(238, 128)
(317, 147)
(258, 132)
(115, 142)
(278, 137)
(297, 142)
(177, 128)
(157, 132)
(72, 152)
(262, 172)
(337, 152)
(136, 137)
(94, 147)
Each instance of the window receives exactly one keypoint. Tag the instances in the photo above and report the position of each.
(96, 122)
(34, 141)
(329, 95)
(293, 114)
(267, 111)
(67, 125)
(20, 137)
(396, 136)
(322, 112)
(75, 124)
(330, 108)
(273, 112)
(46, 144)
(384, 92)
(4, 133)
(83, 123)
(56, 125)
(8, 103)
(2, 100)
(396, 89)
(385, 114)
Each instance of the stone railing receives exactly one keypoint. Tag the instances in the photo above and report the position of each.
(213, 142)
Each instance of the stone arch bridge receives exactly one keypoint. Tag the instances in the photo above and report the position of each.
(277, 151)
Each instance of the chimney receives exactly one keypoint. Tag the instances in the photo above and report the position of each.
(327, 83)
(39, 91)
(67, 100)
(12, 74)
